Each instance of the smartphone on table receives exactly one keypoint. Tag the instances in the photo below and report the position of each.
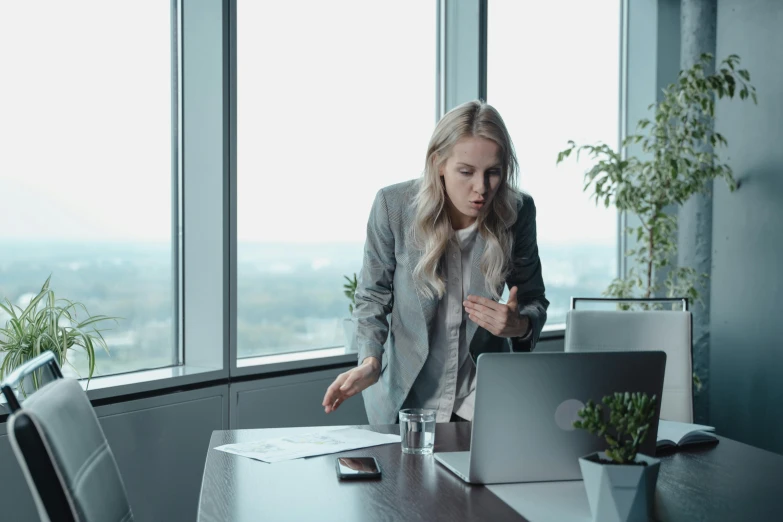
(353, 468)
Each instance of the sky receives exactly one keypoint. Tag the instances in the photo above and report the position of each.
(85, 146)
(553, 73)
(328, 113)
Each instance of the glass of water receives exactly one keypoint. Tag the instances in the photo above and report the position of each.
(417, 429)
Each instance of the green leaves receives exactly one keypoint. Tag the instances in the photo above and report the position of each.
(349, 290)
(48, 324)
(672, 158)
(561, 156)
(630, 416)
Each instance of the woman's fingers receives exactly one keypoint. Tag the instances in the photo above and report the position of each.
(348, 384)
(488, 314)
(484, 318)
(471, 302)
(348, 381)
(333, 391)
(344, 386)
(359, 379)
(483, 301)
(512, 302)
(485, 325)
(347, 390)
(333, 406)
(329, 405)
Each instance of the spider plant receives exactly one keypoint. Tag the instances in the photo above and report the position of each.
(48, 323)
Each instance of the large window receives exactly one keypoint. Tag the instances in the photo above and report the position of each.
(553, 73)
(86, 170)
(334, 101)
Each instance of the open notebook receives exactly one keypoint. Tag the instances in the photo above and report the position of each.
(671, 434)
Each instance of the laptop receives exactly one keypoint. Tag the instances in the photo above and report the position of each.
(526, 404)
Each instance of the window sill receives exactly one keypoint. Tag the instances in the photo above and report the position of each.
(109, 387)
(311, 359)
(125, 386)
(122, 385)
(554, 331)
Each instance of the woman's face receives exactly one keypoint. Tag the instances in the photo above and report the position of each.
(472, 175)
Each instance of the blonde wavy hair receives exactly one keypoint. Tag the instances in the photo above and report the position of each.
(432, 227)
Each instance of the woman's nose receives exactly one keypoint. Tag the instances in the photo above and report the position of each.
(480, 185)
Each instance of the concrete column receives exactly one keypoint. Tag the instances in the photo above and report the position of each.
(697, 25)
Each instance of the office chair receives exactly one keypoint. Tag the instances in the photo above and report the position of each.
(61, 448)
(666, 330)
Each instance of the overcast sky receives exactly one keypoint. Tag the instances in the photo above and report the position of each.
(328, 113)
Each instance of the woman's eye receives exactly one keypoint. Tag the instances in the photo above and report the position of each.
(494, 173)
(466, 172)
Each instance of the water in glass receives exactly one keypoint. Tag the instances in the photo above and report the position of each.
(417, 429)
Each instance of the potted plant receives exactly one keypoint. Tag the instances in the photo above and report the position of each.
(48, 323)
(620, 482)
(676, 159)
(349, 325)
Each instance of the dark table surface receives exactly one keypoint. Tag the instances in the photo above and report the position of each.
(725, 481)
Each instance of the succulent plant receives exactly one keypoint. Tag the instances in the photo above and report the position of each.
(630, 417)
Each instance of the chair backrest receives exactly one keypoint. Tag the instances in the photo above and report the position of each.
(668, 331)
(63, 453)
(681, 302)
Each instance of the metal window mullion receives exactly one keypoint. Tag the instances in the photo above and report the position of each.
(231, 353)
(440, 60)
(204, 172)
(482, 49)
(622, 132)
(177, 237)
(462, 68)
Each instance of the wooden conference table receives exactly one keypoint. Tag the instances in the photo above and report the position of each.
(725, 482)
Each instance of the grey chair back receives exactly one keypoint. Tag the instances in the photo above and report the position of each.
(665, 330)
(61, 448)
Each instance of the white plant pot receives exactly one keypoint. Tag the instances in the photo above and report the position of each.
(620, 492)
(349, 332)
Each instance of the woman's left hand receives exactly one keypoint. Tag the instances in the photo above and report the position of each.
(502, 320)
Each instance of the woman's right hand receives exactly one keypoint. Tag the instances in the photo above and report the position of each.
(349, 383)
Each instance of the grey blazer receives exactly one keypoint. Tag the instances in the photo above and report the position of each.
(394, 319)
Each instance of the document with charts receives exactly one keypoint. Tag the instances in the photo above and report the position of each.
(320, 441)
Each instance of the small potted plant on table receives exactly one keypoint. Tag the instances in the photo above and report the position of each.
(620, 481)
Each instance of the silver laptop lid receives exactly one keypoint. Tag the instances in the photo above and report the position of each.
(526, 404)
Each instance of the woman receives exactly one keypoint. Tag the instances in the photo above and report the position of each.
(438, 254)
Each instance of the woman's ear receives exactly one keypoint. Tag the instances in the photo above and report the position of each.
(435, 161)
